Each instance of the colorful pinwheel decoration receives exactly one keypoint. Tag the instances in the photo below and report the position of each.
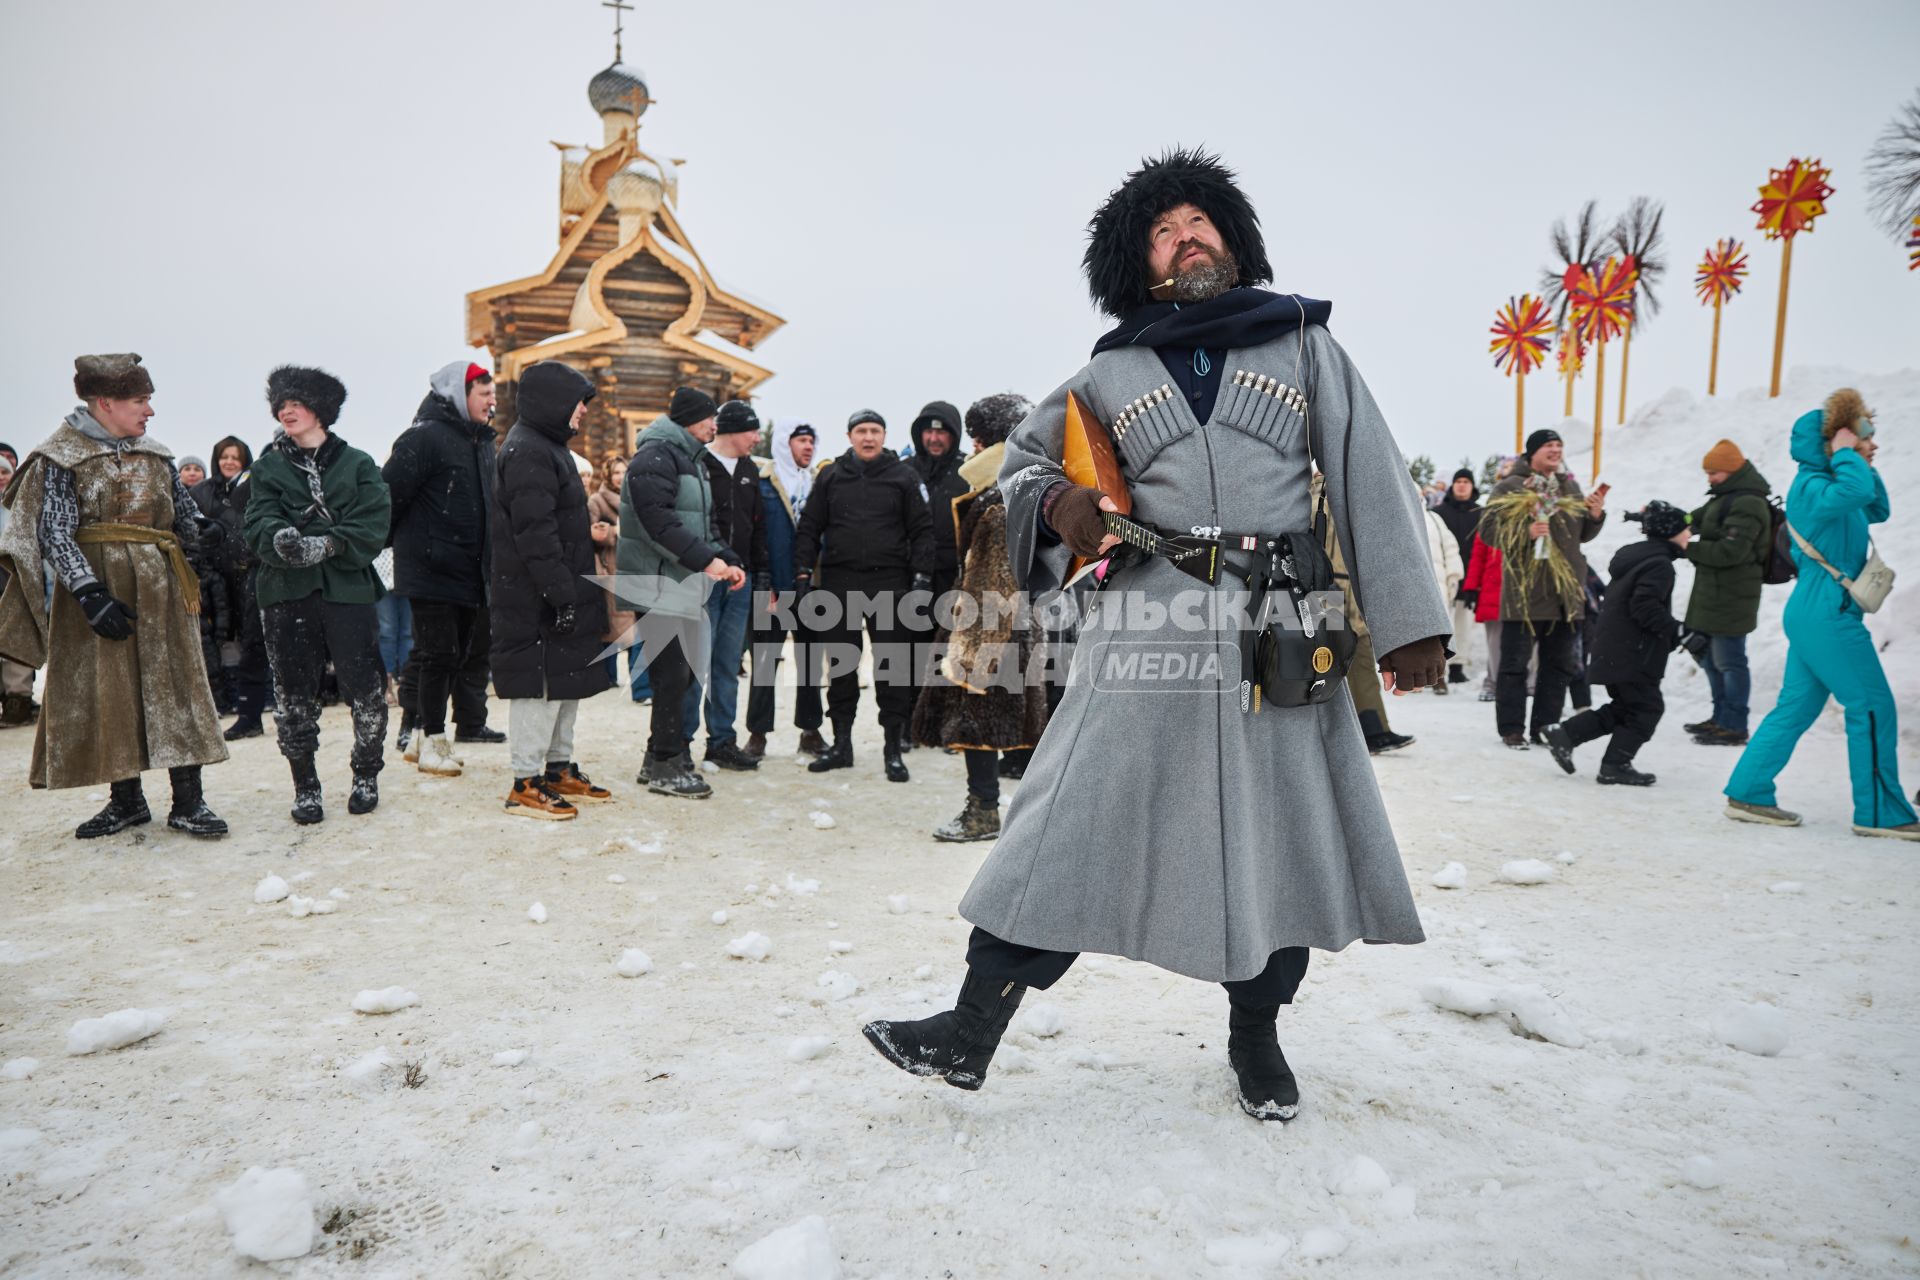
(1789, 202)
(1913, 245)
(1716, 280)
(1521, 333)
(1602, 310)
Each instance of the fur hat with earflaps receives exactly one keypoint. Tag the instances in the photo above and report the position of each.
(1844, 408)
(992, 419)
(111, 377)
(320, 391)
(1116, 257)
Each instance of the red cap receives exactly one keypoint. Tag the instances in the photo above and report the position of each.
(475, 372)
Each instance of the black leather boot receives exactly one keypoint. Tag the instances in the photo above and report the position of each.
(365, 796)
(837, 756)
(956, 1045)
(1267, 1087)
(890, 754)
(190, 813)
(126, 808)
(306, 792)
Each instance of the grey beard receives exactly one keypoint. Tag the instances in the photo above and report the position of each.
(1210, 279)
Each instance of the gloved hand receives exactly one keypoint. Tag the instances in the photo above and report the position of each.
(213, 535)
(1694, 642)
(1469, 596)
(564, 620)
(303, 550)
(1417, 665)
(921, 582)
(110, 619)
(802, 584)
(1075, 517)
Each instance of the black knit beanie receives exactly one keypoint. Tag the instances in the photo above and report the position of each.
(691, 405)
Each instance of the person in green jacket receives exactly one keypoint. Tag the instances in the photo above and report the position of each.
(1732, 535)
(316, 516)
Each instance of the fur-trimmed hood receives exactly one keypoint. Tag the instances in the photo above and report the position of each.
(1116, 258)
(1844, 408)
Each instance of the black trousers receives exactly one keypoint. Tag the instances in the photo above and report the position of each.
(983, 776)
(892, 648)
(450, 645)
(1558, 667)
(1631, 716)
(301, 636)
(769, 635)
(1031, 967)
(671, 674)
(251, 676)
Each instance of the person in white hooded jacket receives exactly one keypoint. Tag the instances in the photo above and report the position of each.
(785, 481)
(1443, 551)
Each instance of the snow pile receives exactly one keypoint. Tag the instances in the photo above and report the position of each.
(822, 820)
(1322, 1242)
(1451, 876)
(1759, 1029)
(1526, 871)
(807, 1048)
(537, 913)
(269, 1214)
(751, 946)
(1249, 1253)
(271, 889)
(1657, 455)
(1529, 1010)
(802, 1251)
(632, 963)
(899, 903)
(1043, 1020)
(838, 985)
(385, 1000)
(299, 907)
(801, 888)
(19, 1068)
(115, 1031)
(511, 1057)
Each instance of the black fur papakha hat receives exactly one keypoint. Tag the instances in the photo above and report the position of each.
(1116, 257)
(111, 377)
(992, 419)
(317, 389)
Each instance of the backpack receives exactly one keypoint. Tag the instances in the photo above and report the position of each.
(1779, 567)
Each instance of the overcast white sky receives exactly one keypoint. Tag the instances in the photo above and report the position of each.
(223, 186)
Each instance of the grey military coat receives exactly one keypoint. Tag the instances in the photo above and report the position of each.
(1158, 819)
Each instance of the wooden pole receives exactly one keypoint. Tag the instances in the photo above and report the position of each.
(1599, 396)
(1780, 317)
(1568, 411)
(1713, 364)
(1626, 354)
(1519, 411)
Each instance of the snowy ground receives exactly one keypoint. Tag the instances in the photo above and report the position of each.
(662, 1124)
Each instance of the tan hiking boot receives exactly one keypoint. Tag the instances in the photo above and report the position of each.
(978, 821)
(570, 784)
(1765, 814)
(437, 758)
(534, 798)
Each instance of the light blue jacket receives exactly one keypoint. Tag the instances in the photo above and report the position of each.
(1834, 499)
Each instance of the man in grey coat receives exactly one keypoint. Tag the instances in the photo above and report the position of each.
(1178, 820)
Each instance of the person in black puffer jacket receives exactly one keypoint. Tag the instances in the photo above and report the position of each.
(441, 476)
(1636, 633)
(547, 616)
(222, 499)
(936, 460)
(867, 529)
(1460, 512)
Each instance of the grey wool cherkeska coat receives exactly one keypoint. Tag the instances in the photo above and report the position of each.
(1158, 819)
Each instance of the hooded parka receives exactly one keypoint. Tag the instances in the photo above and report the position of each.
(441, 476)
(543, 549)
(1732, 537)
(940, 477)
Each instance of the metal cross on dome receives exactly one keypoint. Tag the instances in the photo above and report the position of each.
(619, 22)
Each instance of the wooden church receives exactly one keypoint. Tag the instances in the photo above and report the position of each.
(627, 300)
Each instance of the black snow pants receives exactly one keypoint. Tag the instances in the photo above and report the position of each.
(1631, 715)
(893, 686)
(1559, 667)
(450, 649)
(1032, 967)
(301, 636)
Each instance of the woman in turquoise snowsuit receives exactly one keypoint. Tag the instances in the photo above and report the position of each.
(1835, 497)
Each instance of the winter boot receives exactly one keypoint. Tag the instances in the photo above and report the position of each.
(190, 813)
(1906, 831)
(728, 755)
(677, 777)
(126, 808)
(1699, 726)
(757, 745)
(1267, 1087)
(890, 754)
(573, 786)
(1517, 741)
(811, 743)
(410, 740)
(956, 1045)
(1715, 736)
(244, 727)
(1765, 814)
(1560, 744)
(1456, 673)
(365, 796)
(477, 733)
(838, 756)
(533, 798)
(18, 710)
(1381, 739)
(1013, 764)
(978, 821)
(435, 756)
(1537, 735)
(306, 792)
(1622, 775)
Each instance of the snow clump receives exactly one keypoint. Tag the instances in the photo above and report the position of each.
(774, 1135)
(751, 946)
(299, 907)
(19, 1068)
(511, 1057)
(1043, 1020)
(838, 985)
(1250, 1253)
(1752, 1028)
(1535, 1013)
(1701, 1172)
(899, 903)
(807, 1048)
(822, 820)
(1527, 871)
(271, 889)
(1322, 1242)
(1451, 876)
(1360, 1176)
(537, 913)
(632, 963)
(718, 917)
(269, 1214)
(384, 1000)
(801, 1251)
(1459, 995)
(115, 1031)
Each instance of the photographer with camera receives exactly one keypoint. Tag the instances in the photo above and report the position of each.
(1637, 631)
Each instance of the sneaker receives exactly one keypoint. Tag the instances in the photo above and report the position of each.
(570, 784)
(977, 821)
(1714, 736)
(411, 743)
(678, 778)
(244, 727)
(728, 755)
(1560, 744)
(436, 757)
(1699, 726)
(1766, 814)
(1906, 831)
(1622, 775)
(1514, 740)
(478, 733)
(533, 798)
(1381, 743)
